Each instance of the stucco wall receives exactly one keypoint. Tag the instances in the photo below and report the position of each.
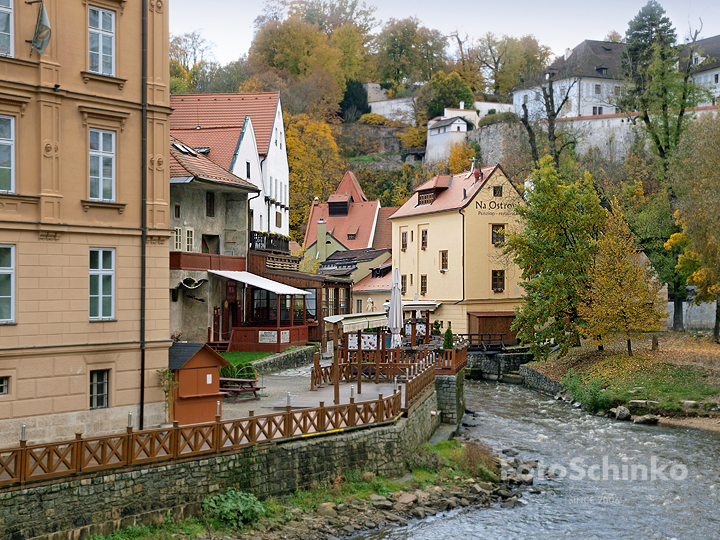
(400, 110)
(100, 503)
(439, 145)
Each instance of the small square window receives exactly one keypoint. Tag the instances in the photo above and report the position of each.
(99, 392)
(497, 191)
(177, 211)
(443, 260)
(403, 240)
(210, 204)
(498, 234)
(598, 89)
(498, 280)
(4, 385)
(617, 90)
(423, 284)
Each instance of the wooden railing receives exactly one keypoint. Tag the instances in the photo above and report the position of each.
(450, 361)
(62, 459)
(188, 260)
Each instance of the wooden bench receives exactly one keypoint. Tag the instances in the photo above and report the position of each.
(238, 387)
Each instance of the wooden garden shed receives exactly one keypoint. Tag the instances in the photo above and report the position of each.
(197, 373)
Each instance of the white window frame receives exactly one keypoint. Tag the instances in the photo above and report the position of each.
(100, 273)
(11, 143)
(189, 239)
(101, 33)
(93, 389)
(178, 239)
(9, 10)
(102, 155)
(10, 270)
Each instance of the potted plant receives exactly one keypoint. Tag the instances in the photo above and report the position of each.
(167, 382)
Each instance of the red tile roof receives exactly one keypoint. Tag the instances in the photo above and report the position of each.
(360, 218)
(212, 111)
(461, 188)
(374, 284)
(221, 141)
(349, 186)
(185, 163)
(383, 228)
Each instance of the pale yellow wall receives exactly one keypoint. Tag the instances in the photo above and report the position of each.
(378, 299)
(481, 255)
(51, 347)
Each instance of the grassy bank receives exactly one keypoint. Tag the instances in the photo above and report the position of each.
(448, 464)
(241, 363)
(601, 380)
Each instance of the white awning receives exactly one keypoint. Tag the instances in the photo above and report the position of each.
(417, 305)
(260, 282)
(359, 321)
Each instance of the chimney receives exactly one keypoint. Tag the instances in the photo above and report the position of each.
(321, 239)
(568, 52)
(462, 104)
(316, 201)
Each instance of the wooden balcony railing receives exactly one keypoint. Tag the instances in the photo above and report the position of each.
(187, 260)
(55, 460)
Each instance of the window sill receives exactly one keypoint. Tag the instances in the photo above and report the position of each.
(8, 323)
(90, 76)
(33, 199)
(498, 291)
(102, 320)
(120, 207)
(443, 271)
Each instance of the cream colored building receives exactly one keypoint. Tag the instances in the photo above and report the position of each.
(72, 236)
(446, 246)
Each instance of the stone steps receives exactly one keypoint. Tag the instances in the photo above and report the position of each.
(512, 378)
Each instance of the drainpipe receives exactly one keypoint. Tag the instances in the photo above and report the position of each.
(143, 238)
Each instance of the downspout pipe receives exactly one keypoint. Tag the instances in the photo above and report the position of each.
(143, 240)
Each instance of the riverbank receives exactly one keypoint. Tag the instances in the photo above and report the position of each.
(447, 476)
(679, 381)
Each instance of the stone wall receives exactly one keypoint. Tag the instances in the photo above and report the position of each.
(695, 316)
(537, 381)
(100, 503)
(450, 390)
(286, 360)
(488, 366)
(368, 140)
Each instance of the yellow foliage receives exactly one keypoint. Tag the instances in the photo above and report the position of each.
(624, 298)
(461, 155)
(413, 136)
(372, 119)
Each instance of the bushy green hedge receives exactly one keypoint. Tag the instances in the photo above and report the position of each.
(499, 117)
(234, 507)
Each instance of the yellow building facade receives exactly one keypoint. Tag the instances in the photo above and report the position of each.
(446, 242)
(75, 182)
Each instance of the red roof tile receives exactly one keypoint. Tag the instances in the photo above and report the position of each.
(350, 186)
(360, 218)
(184, 164)
(212, 111)
(221, 141)
(374, 284)
(383, 228)
(447, 199)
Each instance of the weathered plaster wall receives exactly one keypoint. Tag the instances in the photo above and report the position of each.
(100, 503)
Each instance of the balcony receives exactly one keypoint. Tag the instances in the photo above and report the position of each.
(262, 241)
(186, 260)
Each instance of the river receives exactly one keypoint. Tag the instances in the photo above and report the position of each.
(603, 493)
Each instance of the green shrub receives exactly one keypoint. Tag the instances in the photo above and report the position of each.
(499, 117)
(591, 394)
(233, 507)
(449, 341)
(427, 460)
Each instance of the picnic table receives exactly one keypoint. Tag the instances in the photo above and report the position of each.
(238, 387)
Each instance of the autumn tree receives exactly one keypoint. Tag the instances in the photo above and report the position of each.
(445, 91)
(461, 155)
(554, 250)
(624, 296)
(315, 164)
(695, 174)
(331, 15)
(614, 36)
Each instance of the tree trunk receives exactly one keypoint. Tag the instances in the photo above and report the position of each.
(678, 315)
(531, 134)
(716, 330)
(629, 348)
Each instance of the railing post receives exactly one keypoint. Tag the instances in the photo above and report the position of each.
(322, 412)
(359, 361)
(22, 462)
(378, 352)
(175, 437)
(129, 446)
(78, 453)
(252, 428)
(218, 432)
(352, 413)
(288, 422)
(380, 408)
(316, 368)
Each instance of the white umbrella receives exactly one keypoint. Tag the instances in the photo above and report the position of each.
(395, 313)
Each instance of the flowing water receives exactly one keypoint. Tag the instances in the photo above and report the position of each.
(601, 491)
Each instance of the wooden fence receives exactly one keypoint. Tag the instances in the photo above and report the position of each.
(28, 463)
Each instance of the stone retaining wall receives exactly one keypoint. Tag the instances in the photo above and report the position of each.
(101, 503)
(538, 381)
(450, 391)
(286, 360)
(488, 364)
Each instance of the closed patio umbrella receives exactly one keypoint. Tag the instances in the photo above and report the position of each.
(395, 313)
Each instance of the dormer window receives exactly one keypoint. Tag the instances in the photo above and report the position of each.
(426, 197)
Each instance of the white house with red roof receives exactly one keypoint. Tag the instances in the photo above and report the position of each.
(244, 134)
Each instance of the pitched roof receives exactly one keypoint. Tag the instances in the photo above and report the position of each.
(585, 60)
(383, 228)
(708, 48)
(213, 111)
(186, 163)
(349, 186)
(447, 122)
(375, 284)
(360, 220)
(180, 353)
(460, 190)
(355, 255)
(222, 142)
